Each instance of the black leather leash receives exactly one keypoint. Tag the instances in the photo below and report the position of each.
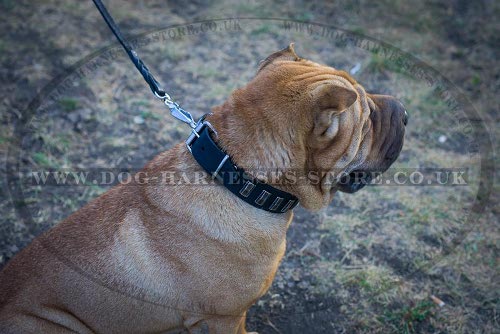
(155, 86)
(139, 64)
(206, 152)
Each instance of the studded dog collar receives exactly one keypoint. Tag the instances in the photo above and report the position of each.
(218, 164)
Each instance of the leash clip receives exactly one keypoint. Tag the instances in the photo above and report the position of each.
(175, 110)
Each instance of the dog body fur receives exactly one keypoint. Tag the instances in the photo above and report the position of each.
(147, 251)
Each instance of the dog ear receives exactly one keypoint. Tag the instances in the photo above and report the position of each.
(330, 100)
(287, 53)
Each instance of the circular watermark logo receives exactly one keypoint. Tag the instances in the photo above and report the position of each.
(95, 124)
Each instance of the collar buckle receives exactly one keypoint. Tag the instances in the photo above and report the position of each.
(197, 129)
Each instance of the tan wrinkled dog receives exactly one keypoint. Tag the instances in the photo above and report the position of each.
(154, 258)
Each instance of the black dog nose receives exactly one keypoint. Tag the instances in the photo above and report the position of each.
(405, 117)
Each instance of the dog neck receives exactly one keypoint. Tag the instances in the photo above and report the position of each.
(231, 219)
(261, 152)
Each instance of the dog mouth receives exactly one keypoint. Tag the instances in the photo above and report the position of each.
(354, 181)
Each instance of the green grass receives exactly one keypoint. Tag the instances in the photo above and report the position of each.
(379, 63)
(304, 16)
(372, 280)
(407, 318)
(68, 104)
(476, 80)
(4, 139)
(246, 8)
(173, 54)
(208, 72)
(59, 143)
(7, 4)
(42, 160)
(218, 91)
(263, 29)
(149, 115)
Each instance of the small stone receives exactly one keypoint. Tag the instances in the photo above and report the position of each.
(138, 120)
(86, 114)
(303, 285)
(73, 117)
(355, 69)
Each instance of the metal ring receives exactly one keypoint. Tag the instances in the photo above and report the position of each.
(165, 96)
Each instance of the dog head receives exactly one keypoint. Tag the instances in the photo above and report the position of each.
(297, 115)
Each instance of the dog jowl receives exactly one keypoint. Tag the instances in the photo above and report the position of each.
(153, 257)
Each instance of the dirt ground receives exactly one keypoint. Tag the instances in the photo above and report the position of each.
(370, 262)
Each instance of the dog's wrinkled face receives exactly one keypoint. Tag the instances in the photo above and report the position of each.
(318, 120)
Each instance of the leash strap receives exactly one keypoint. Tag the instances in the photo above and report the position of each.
(155, 86)
(139, 64)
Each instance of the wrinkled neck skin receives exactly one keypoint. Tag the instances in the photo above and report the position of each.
(264, 148)
(251, 145)
(209, 207)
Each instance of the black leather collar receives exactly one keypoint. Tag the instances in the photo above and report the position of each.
(218, 164)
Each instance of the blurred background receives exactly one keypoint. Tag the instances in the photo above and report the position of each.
(370, 262)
